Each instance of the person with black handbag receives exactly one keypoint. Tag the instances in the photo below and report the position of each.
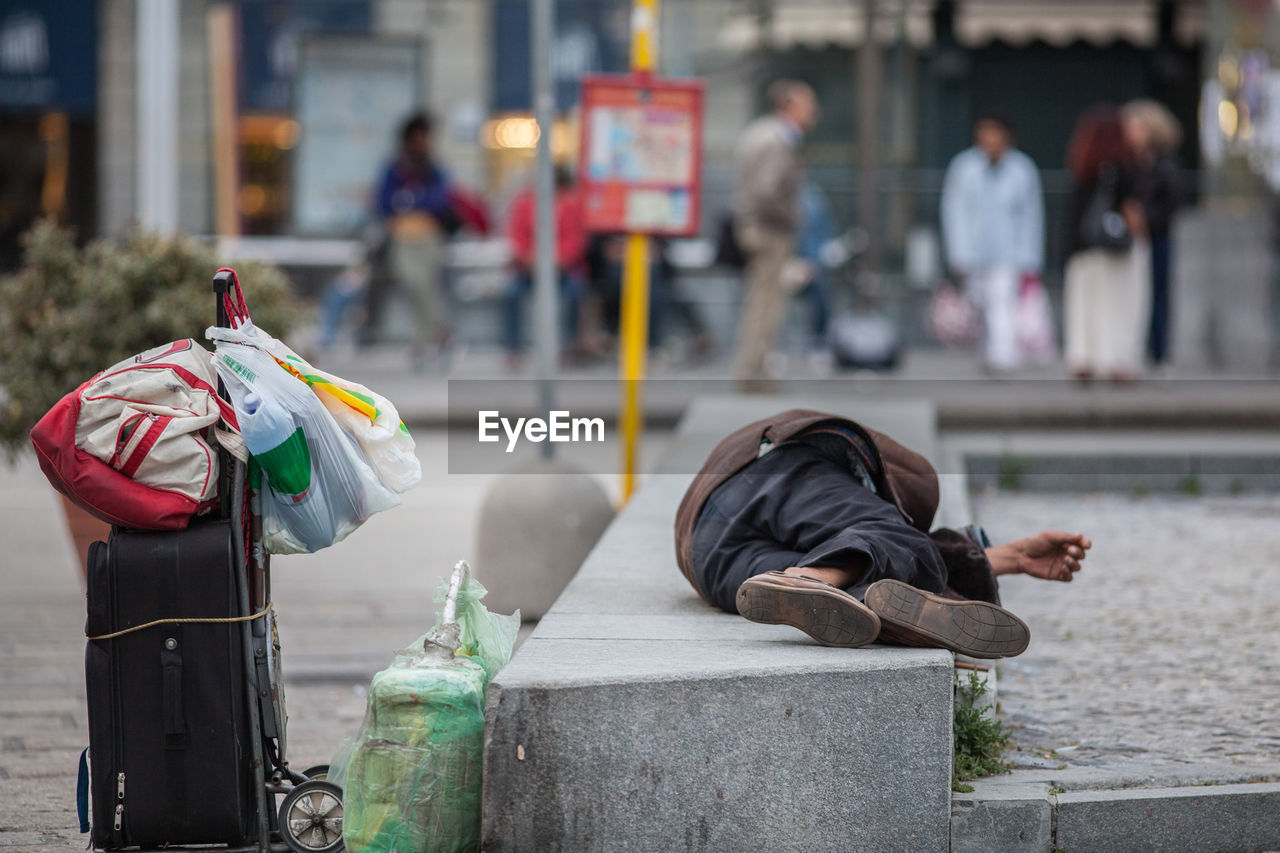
(1154, 136)
(1108, 294)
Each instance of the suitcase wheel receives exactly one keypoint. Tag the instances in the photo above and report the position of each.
(311, 818)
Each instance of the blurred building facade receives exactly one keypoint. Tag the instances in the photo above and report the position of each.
(48, 116)
(319, 86)
(69, 100)
(936, 63)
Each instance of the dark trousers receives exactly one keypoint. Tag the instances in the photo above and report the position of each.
(664, 303)
(1158, 335)
(818, 293)
(513, 302)
(800, 506)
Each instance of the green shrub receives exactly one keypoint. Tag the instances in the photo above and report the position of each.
(980, 739)
(1190, 486)
(1009, 472)
(70, 312)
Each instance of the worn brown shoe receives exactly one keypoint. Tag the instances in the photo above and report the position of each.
(913, 617)
(830, 615)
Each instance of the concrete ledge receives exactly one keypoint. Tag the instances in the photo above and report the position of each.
(637, 717)
(1011, 814)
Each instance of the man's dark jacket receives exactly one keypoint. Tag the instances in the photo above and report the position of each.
(906, 478)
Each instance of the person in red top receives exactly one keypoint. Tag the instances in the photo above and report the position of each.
(571, 249)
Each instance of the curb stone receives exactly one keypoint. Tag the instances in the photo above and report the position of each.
(1010, 814)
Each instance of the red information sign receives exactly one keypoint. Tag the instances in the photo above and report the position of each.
(641, 163)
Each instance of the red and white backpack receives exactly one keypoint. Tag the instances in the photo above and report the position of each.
(134, 445)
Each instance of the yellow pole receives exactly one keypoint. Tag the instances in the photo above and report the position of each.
(644, 35)
(634, 323)
(635, 334)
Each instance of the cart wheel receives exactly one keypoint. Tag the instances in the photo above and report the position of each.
(311, 818)
(318, 771)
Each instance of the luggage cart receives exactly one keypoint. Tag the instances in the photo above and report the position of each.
(309, 819)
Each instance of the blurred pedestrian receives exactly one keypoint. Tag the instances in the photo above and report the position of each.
(993, 225)
(1153, 135)
(1108, 275)
(766, 217)
(414, 201)
(571, 249)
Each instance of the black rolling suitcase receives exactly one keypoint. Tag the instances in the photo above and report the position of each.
(169, 728)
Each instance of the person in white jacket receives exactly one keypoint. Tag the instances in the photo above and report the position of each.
(993, 228)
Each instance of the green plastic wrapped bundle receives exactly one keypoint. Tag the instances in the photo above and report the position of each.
(411, 779)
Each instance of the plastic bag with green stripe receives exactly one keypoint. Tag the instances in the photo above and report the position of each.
(317, 484)
(367, 416)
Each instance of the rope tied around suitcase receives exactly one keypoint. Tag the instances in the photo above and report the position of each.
(201, 620)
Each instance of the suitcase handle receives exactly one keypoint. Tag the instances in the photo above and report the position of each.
(232, 310)
(175, 727)
(225, 283)
(221, 287)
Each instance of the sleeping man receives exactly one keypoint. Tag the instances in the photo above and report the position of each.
(811, 520)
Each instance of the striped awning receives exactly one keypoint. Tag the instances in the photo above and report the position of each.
(821, 23)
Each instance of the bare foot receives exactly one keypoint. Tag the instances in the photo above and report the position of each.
(840, 578)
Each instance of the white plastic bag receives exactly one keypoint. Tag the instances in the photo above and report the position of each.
(368, 416)
(319, 485)
(1036, 338)
(951, 319)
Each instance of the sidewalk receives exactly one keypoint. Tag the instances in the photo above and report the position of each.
(42, 713)
(1156, 665)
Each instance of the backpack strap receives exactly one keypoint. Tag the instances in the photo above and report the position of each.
(232, 442)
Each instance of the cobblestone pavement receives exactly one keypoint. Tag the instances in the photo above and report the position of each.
(1163, 653)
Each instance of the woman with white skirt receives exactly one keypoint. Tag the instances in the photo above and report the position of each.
(1108, 294)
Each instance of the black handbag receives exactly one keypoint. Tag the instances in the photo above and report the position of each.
(1103, 226)
(729, 252)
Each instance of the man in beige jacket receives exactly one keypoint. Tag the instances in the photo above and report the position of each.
(767, 179)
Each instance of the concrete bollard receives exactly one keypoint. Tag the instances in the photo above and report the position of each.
(537, 525)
